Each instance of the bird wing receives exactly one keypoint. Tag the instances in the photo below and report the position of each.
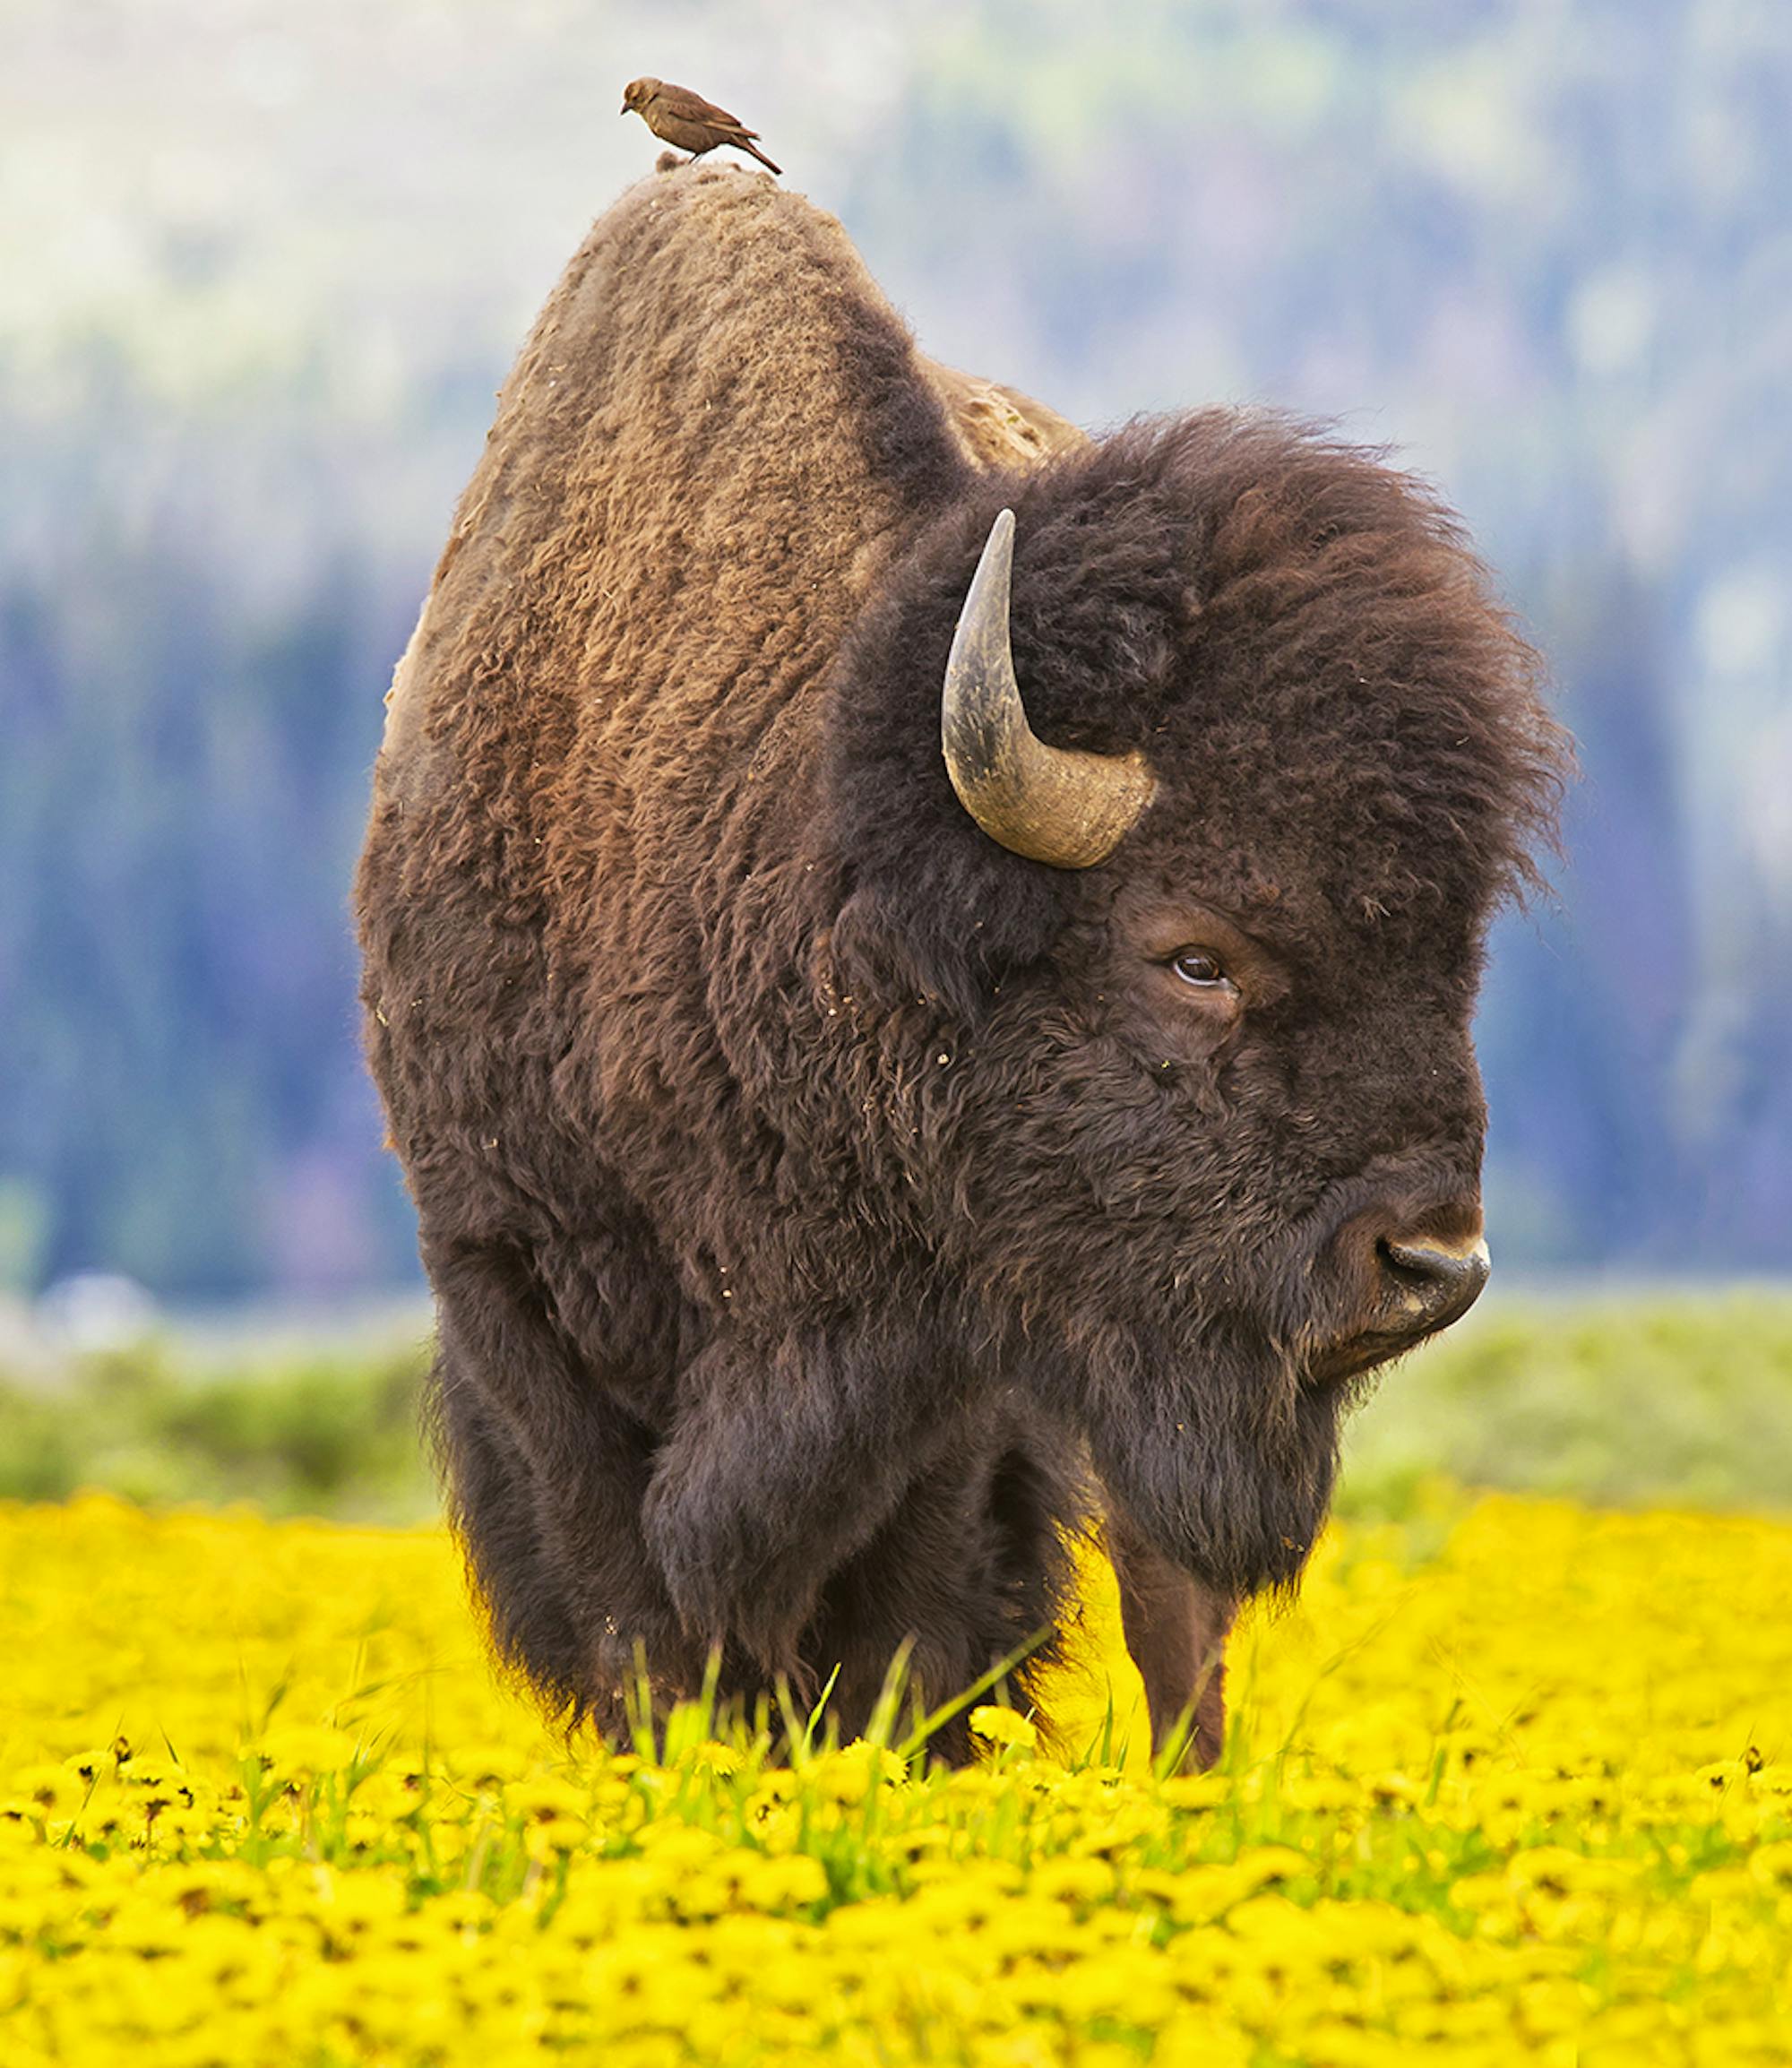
(690, 107)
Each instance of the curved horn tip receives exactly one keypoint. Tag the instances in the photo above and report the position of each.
(994, 571)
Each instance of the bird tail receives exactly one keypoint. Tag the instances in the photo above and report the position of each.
(745, 144)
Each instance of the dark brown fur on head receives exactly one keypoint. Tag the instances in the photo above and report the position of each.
(1355, 766)
(813, 1188)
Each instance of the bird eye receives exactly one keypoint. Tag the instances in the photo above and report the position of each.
(1196, 966)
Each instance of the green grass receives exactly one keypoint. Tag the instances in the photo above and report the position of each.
(1650, 1398)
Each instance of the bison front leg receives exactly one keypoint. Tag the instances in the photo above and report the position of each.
(1176, 1630)
(547, 1476)
(785, 1462)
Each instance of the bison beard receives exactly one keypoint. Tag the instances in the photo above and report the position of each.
(1215, 1456)
(842, 1181)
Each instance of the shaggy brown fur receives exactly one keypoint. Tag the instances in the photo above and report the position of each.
(811, 1187)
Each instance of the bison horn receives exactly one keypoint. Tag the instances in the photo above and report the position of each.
(1056, 804)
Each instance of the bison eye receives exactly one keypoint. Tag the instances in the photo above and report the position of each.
(1195, 966)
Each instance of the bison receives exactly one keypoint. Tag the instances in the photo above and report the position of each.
(921, 969)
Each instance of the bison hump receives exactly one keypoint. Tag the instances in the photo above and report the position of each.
(717, 429)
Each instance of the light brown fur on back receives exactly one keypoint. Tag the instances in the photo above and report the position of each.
(675, 460)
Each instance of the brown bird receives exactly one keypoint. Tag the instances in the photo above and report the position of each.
(678, 115)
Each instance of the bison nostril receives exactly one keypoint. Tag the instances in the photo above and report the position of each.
(1437, 1284)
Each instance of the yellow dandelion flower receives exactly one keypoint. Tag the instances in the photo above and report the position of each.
(1004, 1727)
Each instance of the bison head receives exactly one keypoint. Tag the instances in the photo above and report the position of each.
(1185, 930)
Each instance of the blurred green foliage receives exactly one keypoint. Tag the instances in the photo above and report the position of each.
(1644, 1399)
(334, 1436)
(1680, 1401)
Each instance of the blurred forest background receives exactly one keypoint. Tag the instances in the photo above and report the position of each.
(262, 267)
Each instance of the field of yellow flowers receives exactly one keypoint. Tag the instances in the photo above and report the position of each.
(1513, 1782)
